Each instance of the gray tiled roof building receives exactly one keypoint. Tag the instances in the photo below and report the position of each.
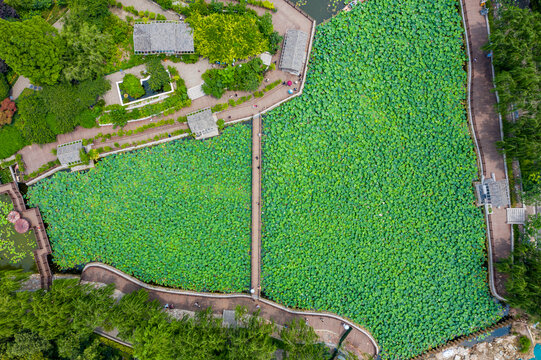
(162, 37)
(294, 51)
(68, 154)
(202, 124)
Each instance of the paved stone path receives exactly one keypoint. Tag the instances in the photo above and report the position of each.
(256, 205)
(487, 127)
(329, 327)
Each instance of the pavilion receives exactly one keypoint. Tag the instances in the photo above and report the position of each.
(69, 154)
(203, 124)
(162, 37)
(294, 51)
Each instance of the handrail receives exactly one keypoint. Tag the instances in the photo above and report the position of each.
(228, 296)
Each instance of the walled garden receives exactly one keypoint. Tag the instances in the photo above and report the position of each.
(368, 205)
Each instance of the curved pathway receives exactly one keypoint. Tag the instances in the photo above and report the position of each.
(487, 130)
(329, 327)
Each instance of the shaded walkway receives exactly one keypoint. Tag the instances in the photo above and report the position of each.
(329, 327)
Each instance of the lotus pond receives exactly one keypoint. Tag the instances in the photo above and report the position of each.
(16, 250)
(177, 214)
(369, 210)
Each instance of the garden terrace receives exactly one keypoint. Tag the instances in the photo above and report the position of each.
(162, 37)
(122, 213)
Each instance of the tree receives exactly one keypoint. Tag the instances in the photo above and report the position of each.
(66, 101)
(159, 78)
(524, 268)
(33, 49)
(131, 85)
(88, 12)
(4, 87)
(28, 344)
(301, 341)
(87, 49)
(7, 110)
(32, 122)
(227, 37)
(251, 339)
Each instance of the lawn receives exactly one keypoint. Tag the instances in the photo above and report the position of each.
(369, 210)
(16, 250)
(177, 214)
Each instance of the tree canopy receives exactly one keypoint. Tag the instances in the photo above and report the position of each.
(516, 45)
(524, 268)
(32, 48)
(59, 324)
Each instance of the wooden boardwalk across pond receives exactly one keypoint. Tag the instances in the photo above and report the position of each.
(256, 206)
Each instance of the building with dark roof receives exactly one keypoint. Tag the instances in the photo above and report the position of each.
(69, 154)
(162, 37)
(203, 124)
(294, 51)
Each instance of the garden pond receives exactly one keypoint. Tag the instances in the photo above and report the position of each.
(16, 250)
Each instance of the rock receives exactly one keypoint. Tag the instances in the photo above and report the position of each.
(449, 353)
(457, 357)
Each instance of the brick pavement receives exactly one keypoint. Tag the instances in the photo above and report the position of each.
(488, 130)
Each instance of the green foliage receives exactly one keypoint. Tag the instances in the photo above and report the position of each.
(4, 87)
(524, 344)
(524, 269)
(164, 236)
(219, 107)
(32, 121)
(88, 12)
(33, 49)
(159, 78)
(227, 37)
(221, 124)
(264, 4)
(118, 115)
(26, 5)
(131, 85)
(87, 50)
(66, 102)
(515, 42)
(11, 140)
(244, 77)
(301, 342)
(369, 211)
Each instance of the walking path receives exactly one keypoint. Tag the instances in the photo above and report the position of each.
(488, 131)
(328, 326)
(287, 17)
(256, 206)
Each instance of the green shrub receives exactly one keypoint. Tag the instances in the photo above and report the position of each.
(219, 107)
(131, 85)
(247, 77)
(524, 344)
(85, 160)
(4, 87)
(159, 78)
(221, 124)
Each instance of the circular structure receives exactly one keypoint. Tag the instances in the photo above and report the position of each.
(13, 216)
(22, 226)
